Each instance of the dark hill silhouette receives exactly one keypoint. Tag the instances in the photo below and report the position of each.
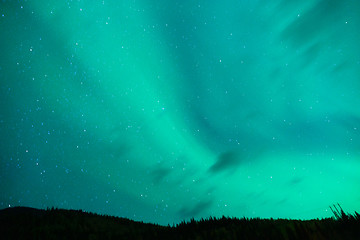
(31, 223)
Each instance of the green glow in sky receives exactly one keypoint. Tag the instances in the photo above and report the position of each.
(161, 111)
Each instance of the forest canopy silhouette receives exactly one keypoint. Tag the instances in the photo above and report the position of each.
(30, 223)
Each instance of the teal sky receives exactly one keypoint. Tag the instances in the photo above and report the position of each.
(161, 111)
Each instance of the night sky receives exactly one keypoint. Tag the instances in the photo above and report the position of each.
(161, 111)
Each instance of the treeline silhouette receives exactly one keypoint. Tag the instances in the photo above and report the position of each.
(30, 223)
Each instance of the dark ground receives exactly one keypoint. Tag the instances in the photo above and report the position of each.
(30, 223)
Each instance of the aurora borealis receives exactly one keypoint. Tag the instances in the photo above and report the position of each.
(160, 111)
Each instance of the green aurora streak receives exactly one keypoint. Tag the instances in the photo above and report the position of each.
(161, 111)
